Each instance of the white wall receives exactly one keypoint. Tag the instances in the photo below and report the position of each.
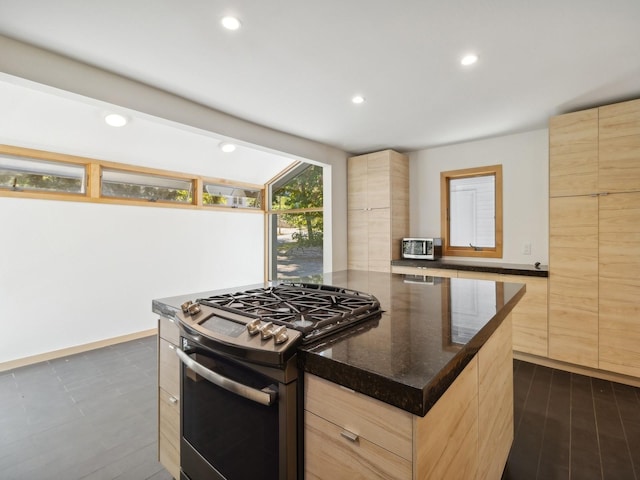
(43, 67)
(525, 168)
(74, 273)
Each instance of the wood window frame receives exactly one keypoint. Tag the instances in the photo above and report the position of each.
(93, 172)
(482, 252)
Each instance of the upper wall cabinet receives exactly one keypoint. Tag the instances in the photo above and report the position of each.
(573, 154)
(595, 151)
(619, 148)
(378, 204)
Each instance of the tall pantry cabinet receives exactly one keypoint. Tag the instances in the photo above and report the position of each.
(378, 209)
(594, 238)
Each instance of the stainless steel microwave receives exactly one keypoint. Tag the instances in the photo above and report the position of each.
(422, 248)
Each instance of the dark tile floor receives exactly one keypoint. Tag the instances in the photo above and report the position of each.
(87, 416)
(569, 426)
(93, 416)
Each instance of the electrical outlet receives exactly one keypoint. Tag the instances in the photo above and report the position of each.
(526, 248)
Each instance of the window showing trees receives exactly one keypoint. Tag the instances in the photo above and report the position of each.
(24, 174)
(297, 223)
(154, 188)
(231, 196)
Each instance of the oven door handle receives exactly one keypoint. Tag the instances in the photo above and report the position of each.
(266, 396)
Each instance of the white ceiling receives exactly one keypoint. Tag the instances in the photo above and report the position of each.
(295, 64)
(38, 117)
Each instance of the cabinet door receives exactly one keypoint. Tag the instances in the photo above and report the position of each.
(620, 283)
(530, 326)
(573, 280)
(379, 221)
(573, 153)
(358, 239)
(619, 150)
(169, 432)
(379, 180)
(357, 183)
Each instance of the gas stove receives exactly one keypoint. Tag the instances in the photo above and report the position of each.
(268, 322)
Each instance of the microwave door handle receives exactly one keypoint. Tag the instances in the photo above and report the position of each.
(266, 396)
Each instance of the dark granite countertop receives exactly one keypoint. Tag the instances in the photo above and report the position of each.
(426, 336)
(411, 354)
(525, 269)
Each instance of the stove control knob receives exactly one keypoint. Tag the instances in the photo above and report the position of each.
(193, 309)
(280, 335)
(253, 327)
(266, 331)
(185, 306)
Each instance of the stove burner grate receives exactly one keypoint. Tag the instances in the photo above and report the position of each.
(314, 309)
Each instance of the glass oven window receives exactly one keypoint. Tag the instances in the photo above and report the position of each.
(238, 437)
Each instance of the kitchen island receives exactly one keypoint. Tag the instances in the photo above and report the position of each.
(424, 390)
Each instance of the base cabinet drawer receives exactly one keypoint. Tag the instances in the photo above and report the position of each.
(380, 423)
(169, 368)
(168, 330)
(332, 452)
(169, 432)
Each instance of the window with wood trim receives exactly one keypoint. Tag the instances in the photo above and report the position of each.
(144, 186)
(21, 174)
(471, 215)
(28, 173)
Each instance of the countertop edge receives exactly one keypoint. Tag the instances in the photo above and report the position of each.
(484, 267)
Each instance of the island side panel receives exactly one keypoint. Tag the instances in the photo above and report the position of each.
(446, 438)
(495, 402)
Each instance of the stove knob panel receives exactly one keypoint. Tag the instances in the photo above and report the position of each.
(280, 335)
(253, 327)
(266, 331)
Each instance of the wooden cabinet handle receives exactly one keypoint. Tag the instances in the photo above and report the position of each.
(172, 347)
(349, 435)
(173, 400)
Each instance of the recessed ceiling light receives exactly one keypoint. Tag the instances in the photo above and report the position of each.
(115, 120)
(358, 99)
(227, 147)
(469, 59)
(230, 23)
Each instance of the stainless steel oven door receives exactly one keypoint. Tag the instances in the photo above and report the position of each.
(231, 419)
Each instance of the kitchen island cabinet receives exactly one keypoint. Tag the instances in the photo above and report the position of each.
(426, 391)
(168, 396)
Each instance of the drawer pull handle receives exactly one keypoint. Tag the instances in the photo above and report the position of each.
(173, 400)
(172, 347)
(349, 435)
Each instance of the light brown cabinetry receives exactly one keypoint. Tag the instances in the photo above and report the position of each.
(378, 209)
(573, 290)
(168, 396)
(619, 273)
(466, 434)
(594, 239)
(573, 153)
(349, 435)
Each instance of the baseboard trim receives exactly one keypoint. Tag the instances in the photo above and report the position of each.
(569, 367)
(43, 357)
